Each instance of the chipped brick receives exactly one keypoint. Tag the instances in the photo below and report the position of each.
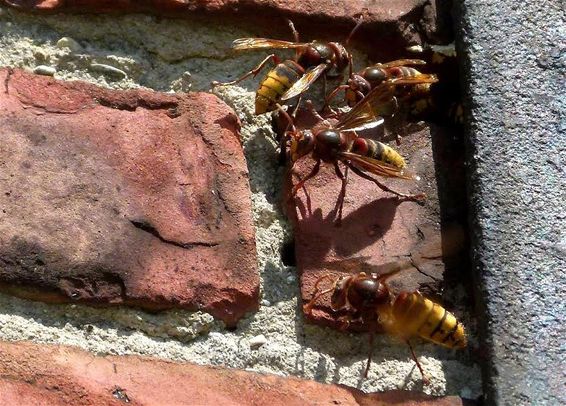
(124, 197)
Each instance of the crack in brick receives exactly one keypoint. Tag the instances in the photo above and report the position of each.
(131, 105)
(148, 228)
(7, 79)
(418, 268)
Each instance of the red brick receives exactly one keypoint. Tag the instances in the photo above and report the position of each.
(124, 197)
(389, 10)
(376, 228)
(50, 375)
(396, 23)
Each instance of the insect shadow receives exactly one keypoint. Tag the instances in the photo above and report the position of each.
(359, 229)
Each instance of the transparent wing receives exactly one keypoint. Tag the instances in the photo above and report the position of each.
(366, 114)
(361, 264)
(424, 78)
(264, 43)
(383, 93)
(352, 265)
(304, 82)
(377, 167)
(400, 62)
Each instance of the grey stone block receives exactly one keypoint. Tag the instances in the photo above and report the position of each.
(514, 57)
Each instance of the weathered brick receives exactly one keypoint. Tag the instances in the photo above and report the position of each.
(53, 375)
(392, 22)
(342, 9)
(124, 197)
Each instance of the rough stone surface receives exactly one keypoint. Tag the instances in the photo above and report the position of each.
(514, 64)
(377, 228)
(130, 197)
(49, 375)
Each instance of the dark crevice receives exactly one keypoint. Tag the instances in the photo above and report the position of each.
(148, 228)
(131, 104)
(288, 254)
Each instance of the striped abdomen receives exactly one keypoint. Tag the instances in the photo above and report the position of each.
(414, 91)
(402, 72)
(416, 315)
(377, 150)
(277, 81)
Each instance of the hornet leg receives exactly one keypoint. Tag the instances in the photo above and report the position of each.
(370, 354)
(416, 197)
(253, 72)
(316, 294)
(293, 30)
(331, 96)
(342, 195)
(426, 381)
(287, 116)
(295, 37)
(310, 106)
(358, 23)
(312, 174)
(290, 172)
(284, 138)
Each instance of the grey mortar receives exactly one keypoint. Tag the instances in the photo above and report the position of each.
(515, 69)
(175, 55)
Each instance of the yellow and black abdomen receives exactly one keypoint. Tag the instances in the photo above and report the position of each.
(417, 315)
(277, 81)
(377, 150)
(412, 93)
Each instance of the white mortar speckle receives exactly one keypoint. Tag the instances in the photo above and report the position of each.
(257, 341)
(67, 42)
(167, 55)
(45, 70)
